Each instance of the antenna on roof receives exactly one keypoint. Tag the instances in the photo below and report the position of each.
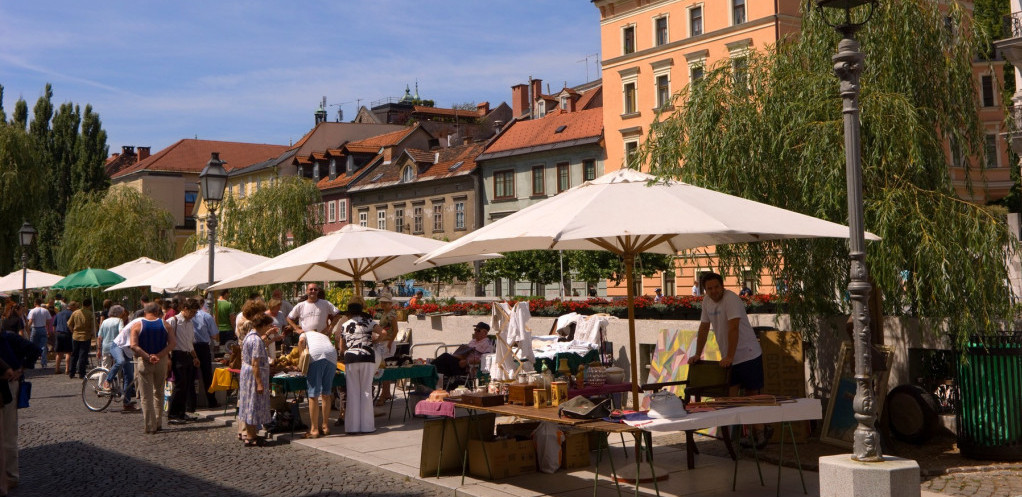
(586, 60)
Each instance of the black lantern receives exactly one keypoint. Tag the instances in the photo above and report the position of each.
(847, 6)
(213, 179)
(27, 234)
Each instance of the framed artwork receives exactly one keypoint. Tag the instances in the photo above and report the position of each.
(839, 421)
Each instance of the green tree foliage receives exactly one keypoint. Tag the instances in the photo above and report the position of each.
(108, 228)
(778, 138)
(595, 265)
(22, 190)
(3, 115)
(20, 117)
(543, 267)
(539, 267)
(263, 223)
(88, 172)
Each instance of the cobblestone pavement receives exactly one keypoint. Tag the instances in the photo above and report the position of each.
(1006, 483)
(68, 450)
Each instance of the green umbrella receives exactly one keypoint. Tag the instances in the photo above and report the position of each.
(89, 278)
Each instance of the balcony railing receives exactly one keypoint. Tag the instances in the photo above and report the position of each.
(1013, 25)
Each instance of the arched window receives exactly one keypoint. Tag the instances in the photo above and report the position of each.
(408, 174)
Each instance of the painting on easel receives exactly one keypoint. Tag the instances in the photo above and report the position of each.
(839, 422)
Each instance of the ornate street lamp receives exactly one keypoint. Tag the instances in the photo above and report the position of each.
(26, 237)
(213, 180)
(848, 64)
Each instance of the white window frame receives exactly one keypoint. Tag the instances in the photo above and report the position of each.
(363, 218)
(408, 174)
(381, 219)
(626, 143)
(459, 215)
(624, 49)
(656, 32)
(702, 19)
(745, 8)
(331, 211)
(342, 210)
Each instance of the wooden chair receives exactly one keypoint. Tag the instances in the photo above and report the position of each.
(706, 379)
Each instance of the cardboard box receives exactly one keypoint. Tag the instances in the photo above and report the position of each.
(575, 450)
(519, 431)
(450, 434)
(505, 457)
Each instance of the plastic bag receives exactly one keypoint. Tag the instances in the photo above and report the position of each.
(548, 447)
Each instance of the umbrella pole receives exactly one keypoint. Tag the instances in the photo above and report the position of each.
(629, 279)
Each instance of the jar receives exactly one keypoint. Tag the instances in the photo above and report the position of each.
(614, 375)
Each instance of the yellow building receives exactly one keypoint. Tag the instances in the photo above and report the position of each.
(171, 176)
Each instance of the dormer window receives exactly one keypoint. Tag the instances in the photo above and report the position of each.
(408, 174)
(564, 102)
(542, 108)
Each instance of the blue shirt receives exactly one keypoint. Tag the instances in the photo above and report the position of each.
(60, 321)
(205, 327)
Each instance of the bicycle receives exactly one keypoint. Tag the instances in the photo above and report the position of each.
(95, 397)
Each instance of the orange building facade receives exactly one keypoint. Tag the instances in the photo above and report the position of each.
(651, 49)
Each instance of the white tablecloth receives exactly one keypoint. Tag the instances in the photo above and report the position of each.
(799, 410)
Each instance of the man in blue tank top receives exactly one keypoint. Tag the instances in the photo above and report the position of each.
(151, 341)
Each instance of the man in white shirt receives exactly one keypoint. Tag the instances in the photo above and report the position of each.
(184, 362)
(36, 322)
(724, 311)
(457, 363)
(314, 314)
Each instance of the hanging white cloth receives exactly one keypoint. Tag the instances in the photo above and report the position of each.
(510, 324)
(591, 329)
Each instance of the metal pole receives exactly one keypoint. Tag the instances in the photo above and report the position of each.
(211, 227)
(560, 256)
(634, 359)
(848, 64)
(24, 275)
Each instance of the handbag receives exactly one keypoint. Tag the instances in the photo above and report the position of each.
(24, 394)
(666, 405)
(583, 408)
(303, 361)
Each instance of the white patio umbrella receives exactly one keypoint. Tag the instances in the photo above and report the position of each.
(622, 213)
(136, 267)
(353, 253)
(192, 271)
(35, 279)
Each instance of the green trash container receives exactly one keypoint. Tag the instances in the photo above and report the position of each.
(990, 397)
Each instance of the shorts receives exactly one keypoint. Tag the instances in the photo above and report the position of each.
(63, 343)
(320, 378)
(227, 336)
(748, 374)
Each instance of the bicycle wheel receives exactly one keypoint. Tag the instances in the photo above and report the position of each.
(95, 398)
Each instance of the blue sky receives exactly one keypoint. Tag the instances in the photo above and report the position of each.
(255, 71)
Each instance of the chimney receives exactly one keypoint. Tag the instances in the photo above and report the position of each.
(483, 108)
(537, 89)
(143, 153)
(519, 99)
(497, 125)
(333, 167)
(127, 150)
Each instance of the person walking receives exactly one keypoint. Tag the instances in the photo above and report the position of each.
(19, 354)
(205, 330)
(254, 381)
(62, 341)
(83, 330)
(152, 339)
(183, 361)
(36, 321)
(358, 334)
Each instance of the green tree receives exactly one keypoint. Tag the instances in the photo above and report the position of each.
(20, 117)
(273, 220)
(3, 115)
(539, 267)
(22, 190)
(777, 138)
(88, 172)
(594, 265)
(108, 228)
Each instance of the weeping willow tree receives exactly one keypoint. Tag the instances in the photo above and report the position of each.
(273, 220)
(108, 228)
(775, 135)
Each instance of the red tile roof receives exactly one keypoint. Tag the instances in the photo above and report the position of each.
(329, 135)
(427, 169)
(343, 179)
(448, 112)
(190, 156)
(536, 132)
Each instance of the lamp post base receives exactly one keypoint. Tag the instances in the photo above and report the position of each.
(841, 476)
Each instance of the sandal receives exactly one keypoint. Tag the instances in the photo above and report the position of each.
(324, 431)
(309, 434)
(250, 443)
